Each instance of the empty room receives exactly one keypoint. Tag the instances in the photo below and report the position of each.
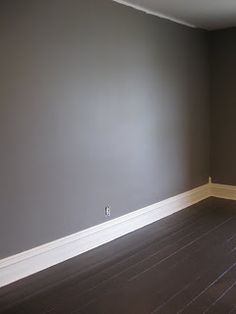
(117, 174)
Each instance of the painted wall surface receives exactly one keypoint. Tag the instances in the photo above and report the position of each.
(223, 106)
(99, 104)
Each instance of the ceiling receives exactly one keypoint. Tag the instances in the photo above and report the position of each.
(206, 14)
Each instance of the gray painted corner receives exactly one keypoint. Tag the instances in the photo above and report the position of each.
(99, 105)
(223, 106)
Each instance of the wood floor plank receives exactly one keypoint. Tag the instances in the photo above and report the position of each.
(74, 292)
(164, 286)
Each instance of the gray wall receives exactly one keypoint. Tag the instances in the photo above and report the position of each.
(223, 106)
(99, 104)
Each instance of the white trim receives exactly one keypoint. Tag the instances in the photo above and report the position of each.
(223, 191)
(156, 13)
(29, 262)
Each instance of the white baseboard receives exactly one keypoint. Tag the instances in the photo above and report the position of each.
(29, 262)
(223, 191)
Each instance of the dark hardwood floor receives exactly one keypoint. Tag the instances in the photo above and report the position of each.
(185, 263)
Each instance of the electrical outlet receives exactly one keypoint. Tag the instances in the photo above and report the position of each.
(107, 211)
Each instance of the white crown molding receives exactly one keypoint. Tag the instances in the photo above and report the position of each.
(29, 262)
(156, 13)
